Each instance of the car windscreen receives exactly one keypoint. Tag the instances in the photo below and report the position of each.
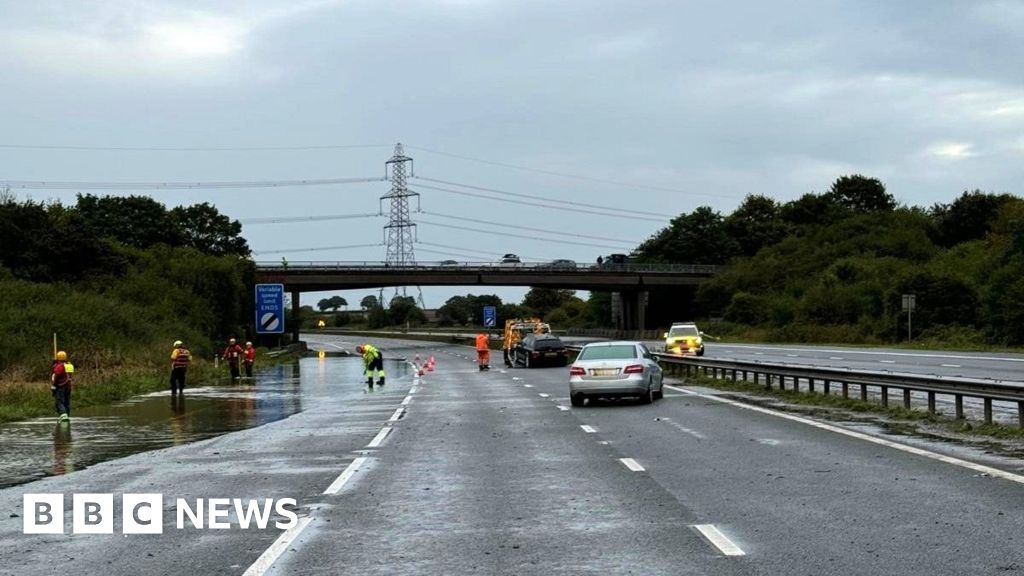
(611, 352)
(683, 331)
(547, 344)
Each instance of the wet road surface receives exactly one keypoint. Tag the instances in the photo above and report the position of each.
(494, 473)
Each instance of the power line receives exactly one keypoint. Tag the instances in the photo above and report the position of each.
(542, 205)
(316, 249)
(468, 257)
(64, 185)
(510, 235)
(290, 219)
(463, 249)
(520, 227)
(543, 198)
(189, 148)
(563, 174)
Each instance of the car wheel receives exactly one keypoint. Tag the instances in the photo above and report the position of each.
(700, 352)
(659, 394)
(648, 397)
(526, 362)
(576, 400)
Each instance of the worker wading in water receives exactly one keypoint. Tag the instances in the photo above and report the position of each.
(483, 351)
(373, 362)
(180, 359)
(233, 355)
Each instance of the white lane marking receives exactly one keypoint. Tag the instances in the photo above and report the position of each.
(910, 354)
(543, 395)
(631, 464)
(398, 414)
(563, 408)
(413, 390)
(603, 442)
(344, 477)
(588, 429)
(527, 385)
(951, 366)
(867, 438)
(406, 400)
(271, 554)
(759, 353)
(684, 429)
(792, 355)
(886, 361)
(379, 437)
(719, 540)
(835, 357)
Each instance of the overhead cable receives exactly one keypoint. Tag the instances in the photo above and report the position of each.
(542, 198)
(563, 174)
(67, 185)
(520, 227)
(543, 205)
(189, 148)
(511, 235)
(290, 219)
(316, 249)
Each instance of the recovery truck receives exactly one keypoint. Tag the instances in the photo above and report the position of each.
(515, 329)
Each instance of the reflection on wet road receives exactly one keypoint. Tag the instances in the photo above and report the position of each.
(42, 447)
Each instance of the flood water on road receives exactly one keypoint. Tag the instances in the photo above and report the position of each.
(33, 449)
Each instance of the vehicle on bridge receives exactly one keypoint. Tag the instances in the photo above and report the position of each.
(515, 330)
(510, 260)
(615, 369)
(540, 350)
(684, 338)
(560, 264)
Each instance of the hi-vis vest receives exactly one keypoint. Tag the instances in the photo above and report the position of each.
(180, 357)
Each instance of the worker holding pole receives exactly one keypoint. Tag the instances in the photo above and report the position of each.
(60, 384)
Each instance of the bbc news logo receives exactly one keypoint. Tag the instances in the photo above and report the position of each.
(144, 513)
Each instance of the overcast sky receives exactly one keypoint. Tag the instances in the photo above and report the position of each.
(683, 102)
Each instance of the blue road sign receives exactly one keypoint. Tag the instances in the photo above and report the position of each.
(270, 308)
(490, 316)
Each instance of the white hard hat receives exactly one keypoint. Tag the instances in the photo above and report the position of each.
(178, 343)
(248, 343)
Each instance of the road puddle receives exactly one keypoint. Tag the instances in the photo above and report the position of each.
(33, 449)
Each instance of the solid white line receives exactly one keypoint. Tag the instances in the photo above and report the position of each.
(379, 437)
(406, 400)
(271, 554)
(911, 354)
(719, 540)
(866, 437)
(588, 429)
(344, 477)
(632, 464)
(951, 366)
(563, 408)
(398, 414)
(543, 395)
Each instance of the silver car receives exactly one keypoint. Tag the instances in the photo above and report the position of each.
(606, 369)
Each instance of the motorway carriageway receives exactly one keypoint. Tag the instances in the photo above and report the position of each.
(465, 472)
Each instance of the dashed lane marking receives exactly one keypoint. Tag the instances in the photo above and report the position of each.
(379, 437)
(632, 464)
(886, 361)
(271, 554)
(563, 408)
(951, 366)
(719, 540)
(527, 385)
(995, 472)
(344, 477)
(588, 429)
(398, 414)
(835, 357)
(406, 400)
(543, 395)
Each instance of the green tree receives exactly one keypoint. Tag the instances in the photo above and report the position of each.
(696, 238)
(403, 309)
(137, 221)
(204, 228)
(861, 195)
(332, 303)
(369, 303)
(540, 301)
(755, 223)
(969, 217)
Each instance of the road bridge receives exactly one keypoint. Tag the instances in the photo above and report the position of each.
(629, 281)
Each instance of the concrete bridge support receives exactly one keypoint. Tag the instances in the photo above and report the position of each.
(296, 305)
(629, 309)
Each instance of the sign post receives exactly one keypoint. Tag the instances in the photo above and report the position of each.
(909, 303)
(490, 316)
(270, 308)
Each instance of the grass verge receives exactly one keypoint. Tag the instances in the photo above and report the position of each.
(835, 406)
